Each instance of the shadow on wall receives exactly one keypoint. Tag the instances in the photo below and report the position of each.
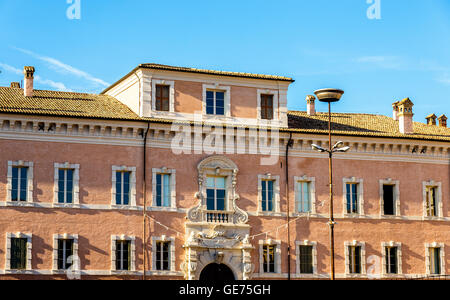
(40, 251)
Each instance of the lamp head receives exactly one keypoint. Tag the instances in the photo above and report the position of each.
(329, 95)
(343, 149)
(318, 148)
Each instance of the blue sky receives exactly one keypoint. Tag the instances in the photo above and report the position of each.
(320, 43)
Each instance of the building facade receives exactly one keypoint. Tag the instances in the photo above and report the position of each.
(180, 173)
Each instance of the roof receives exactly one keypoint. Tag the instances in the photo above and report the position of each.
(363, 125)
(93, 106)
(65, 104)
(201, 71)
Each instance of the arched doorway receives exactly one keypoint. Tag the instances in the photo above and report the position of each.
(217, 273)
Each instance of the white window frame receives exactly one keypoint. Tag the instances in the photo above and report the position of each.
(276, 195)
(312, 193)
(132, 202)
(227, 99)
(360, 183)
(391, 244)
(171, 85)
(171, 240)
(438, 186)
(29, 258)
(428, 257)
(275, 95)
(277, 244)
(114, 239)
(20, 164)
(76, 184)
(355, 243)
(396, 185)
(75, 258)
(314, 257)
(173, 193)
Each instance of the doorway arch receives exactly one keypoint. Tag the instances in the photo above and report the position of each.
(217, 273)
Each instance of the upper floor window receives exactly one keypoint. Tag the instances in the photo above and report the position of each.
(18, 254)
(431, 201)
(306, 259)
(435, 258)
(391, 264)
(215, 193)
(162, 256)
(267, 107)
(65, 252)
(124, 186)
(267, 195)
(388, 200)
(269, 258)
(215, 103)
(162, 97)
(20, 181)
(123, 252)
(354, 257)
(65, 185)
(19, 185)
(303, 197)
(18, 251)
(163, 253)
(353, 196)
(162, 190)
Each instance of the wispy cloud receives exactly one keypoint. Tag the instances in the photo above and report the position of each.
(61, 67)
(385, 62)
(56, 85)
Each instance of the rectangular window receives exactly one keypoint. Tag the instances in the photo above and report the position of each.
(389, 200)
(267, 107)
(65, 250)
(65, 186)
(306, 260)
(162, 97)
(354, 259)
(267, 195)
(123, 188)
(303, 197)
(215, 103)
(215, 193)
(435, 261)
(162, 256)
(352, 198)
(391, 260)
(163, 190)
(19, 186)
(269, 258)
(431, 201)
(123, 252)
(18, 253)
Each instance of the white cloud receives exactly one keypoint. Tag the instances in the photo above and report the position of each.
(56, 85)
(64, 68)
(385, 62)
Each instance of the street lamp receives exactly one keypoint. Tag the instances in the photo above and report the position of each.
(329, 96)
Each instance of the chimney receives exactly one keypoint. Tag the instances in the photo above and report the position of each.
(395, 110)
(15, 85)
(28, 81)
(311, 105)
(431, 119)
(443, 121)
(405, 116)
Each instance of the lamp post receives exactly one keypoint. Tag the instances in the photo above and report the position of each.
(329, 96)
